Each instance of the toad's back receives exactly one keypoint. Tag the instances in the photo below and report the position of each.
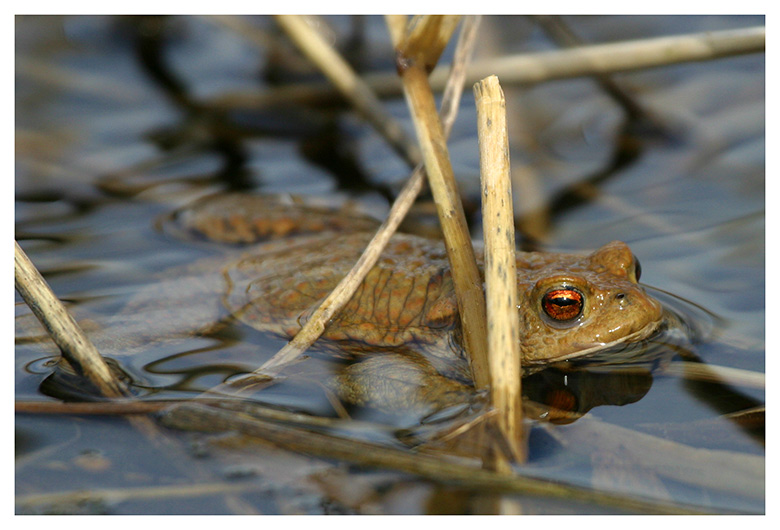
(406, 297)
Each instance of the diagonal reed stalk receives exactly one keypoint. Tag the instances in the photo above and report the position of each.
(349, 84)
(75, 346)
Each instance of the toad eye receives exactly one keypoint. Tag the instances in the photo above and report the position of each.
(562, 304)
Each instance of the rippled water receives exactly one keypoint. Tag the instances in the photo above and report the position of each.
(110, 137)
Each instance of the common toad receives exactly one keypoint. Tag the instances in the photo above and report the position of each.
(400, 331)
(405, 312)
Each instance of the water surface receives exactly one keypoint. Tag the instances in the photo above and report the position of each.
(114, 130)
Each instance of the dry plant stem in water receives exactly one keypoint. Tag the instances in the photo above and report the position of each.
(396, 26)
(349, 84)
(194, 416)
(718, 374)
(75, 346)
(627, 55)
(346, 288)
(500, 266)
(190, 416)
(417, 54)
(539, 67)
(117, 495)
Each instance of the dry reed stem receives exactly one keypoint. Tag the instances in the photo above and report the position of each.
(191, 416)
(503, 326)
(666, 459)
(134, 407)
(115, 495)
(254, 420)
(199, 417)
(539, 67)
(457, 71)
(338, 71)
(396, 25)
(104, 408)
(716, 374)
(344, 291)
(460, 61)
(627, 55)
(416, 53)
(75, 346)
(424, 40)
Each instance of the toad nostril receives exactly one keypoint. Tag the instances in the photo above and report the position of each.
(620, 296)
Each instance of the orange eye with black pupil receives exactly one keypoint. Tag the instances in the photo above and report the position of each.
(562, 304)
